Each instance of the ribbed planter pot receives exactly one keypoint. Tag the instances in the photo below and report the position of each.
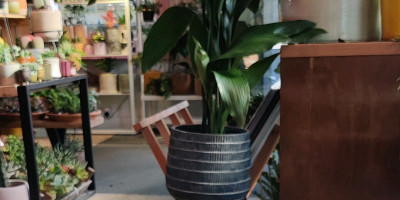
(47, 24)
(108, 83)
(99, 49)
(208, 166)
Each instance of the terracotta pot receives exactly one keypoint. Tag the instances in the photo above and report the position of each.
(150, 75)
(69, 31)
(198, 88)
(182, 83)
(19, 190)
(7, 116)
(108, 83)
(75, 117)
(23, 7)
(81, 32)
(47, 24)
(88, 50)
(79, 46)
(99, 48)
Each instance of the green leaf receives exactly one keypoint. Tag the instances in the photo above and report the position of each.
(254, 5)
(91, 2)
(198, 31)
(256, 43)
(235, 93)
(306, 36)
(289, 28)
(256, 72)
(164, 35)
(201, 62)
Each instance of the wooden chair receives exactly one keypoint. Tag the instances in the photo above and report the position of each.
(265, 135)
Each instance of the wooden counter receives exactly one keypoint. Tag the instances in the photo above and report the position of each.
(340, 121)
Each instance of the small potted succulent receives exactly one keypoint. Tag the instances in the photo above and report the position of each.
(8, 66)
(112, 34)
(9, 110)
(99, 45)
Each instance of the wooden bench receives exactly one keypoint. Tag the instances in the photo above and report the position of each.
(179, 114)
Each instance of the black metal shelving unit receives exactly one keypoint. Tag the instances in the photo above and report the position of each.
(27, 127)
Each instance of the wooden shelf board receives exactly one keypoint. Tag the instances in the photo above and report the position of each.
(8, 91)
(12, 16)
(45, 123)
(118, 57)
(112, 94)
(171, 98)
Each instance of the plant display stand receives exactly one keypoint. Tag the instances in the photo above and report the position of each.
(27, 125)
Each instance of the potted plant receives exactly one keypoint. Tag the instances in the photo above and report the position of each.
(149, 8)
(107, 80)
(112, 34)
(123, 34)
(8, 67)
(69, 53)
(46, 21)
(99, 45)
(65, 105)
(78, 44)
(217, 42)
(9, 110)
(11, 189)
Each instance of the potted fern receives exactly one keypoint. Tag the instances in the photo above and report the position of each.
(210, 161)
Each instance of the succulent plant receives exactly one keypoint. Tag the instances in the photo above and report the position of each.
(38, 42)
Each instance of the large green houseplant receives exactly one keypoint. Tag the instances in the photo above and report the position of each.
(202, 164)
(217, 42)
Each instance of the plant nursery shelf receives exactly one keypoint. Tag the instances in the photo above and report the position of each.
(12, 16)
(117, 57)
(171, 98)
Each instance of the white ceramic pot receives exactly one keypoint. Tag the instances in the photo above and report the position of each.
(108, 83)
(47, 24)
(18, 190)
(99, 48)
(53, 67)
(349, 20)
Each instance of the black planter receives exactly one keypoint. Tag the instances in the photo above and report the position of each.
(208, 166)
(148, 16)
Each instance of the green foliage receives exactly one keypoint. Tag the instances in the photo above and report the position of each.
(269, 180)
(217, 41)
(98, 37)
(59, 170)
(161, 87)
(3, 178)
(66, 100)
(48, 54)
(5, 54)
(106, 64)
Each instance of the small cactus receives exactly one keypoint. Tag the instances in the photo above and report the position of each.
(3, 178)
(38, 42)
(39, 4)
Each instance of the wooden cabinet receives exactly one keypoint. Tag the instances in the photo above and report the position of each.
(340, 121)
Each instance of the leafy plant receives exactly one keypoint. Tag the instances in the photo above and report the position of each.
(66, 100)
(110, 19)
(217, 42)
(67, 51)
(161, 87)
(5, 54)
(122, 20)
(106, 64)
(48, 54)
(98, 37)
(269, 180)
